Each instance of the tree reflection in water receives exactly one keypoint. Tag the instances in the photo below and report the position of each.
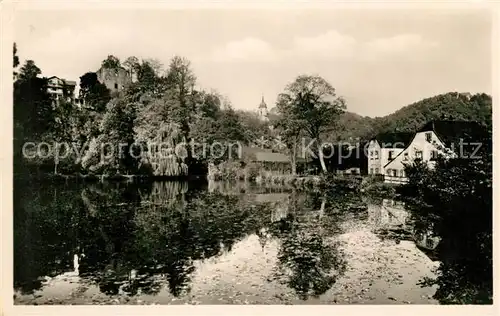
(135, 238)
(309, 259)
(454, 200)
(142, 238)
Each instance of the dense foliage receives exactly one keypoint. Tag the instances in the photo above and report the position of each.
(163, 105)
(455, 200)
(309, 106)
(158, 111)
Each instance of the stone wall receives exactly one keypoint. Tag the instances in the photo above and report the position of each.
(114, 79)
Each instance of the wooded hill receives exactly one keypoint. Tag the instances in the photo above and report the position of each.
(450, 106)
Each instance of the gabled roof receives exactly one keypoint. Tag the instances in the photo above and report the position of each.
(394, 140)
(264, 155)
(70, 82)
(452, 131)
(271, 157)
(66, 82)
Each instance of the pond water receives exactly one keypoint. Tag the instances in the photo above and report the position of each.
(215, 243)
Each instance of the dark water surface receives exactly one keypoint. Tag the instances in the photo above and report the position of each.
(216, 243)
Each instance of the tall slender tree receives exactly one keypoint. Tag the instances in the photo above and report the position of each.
(288, 124)
(15, 60)
(181, 79)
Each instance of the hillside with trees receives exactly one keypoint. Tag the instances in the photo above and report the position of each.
(160, 108)
(450, 106)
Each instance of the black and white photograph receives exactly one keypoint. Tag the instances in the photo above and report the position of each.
(259, 155)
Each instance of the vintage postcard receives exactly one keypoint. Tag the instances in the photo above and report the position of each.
(238, 153)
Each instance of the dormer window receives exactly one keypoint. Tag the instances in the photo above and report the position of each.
(428, 136)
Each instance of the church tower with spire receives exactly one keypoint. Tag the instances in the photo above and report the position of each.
(263, 110)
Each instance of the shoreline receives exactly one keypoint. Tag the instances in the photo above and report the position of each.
(359, 183)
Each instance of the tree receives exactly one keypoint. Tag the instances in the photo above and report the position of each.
(131, 64)
(111, 62)
(29, 70)
(156, 65)
(33, 110)
(181, 79)
(62, 130)
(231, 129)
(117, 131)
(289, 127)
(253, 127)
(15, 60)
(146, 77)
(454, 201)
(313, 104)
(158, 135)
(94, 94)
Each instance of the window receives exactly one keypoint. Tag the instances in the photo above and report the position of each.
(390, 155)
(116, 86)
(428, 136)
(394, 172)
(376, 154)
(402, 173)
(418, 154)
(377, 171)
(371, 170)
(405, 156)
(389, 172)
(434, 155)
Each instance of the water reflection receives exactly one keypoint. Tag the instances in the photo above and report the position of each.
(158, 238)
(307, 262)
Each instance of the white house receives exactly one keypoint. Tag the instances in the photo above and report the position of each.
(60, 89)
(436, 138)
(384, 148)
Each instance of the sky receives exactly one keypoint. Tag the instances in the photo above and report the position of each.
(379, 60)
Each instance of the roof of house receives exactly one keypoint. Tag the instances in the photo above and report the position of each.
(66, 82)
(450, 131)
(264, 155)
(271, 157)
(394, 140)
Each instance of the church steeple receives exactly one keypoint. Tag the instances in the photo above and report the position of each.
(262, 109)
(263, 104)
